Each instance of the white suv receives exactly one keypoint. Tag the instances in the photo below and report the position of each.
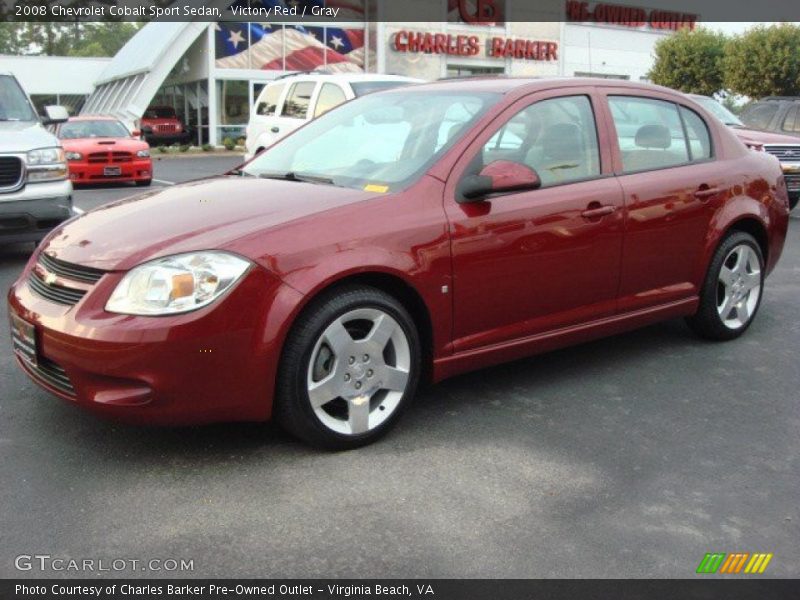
(291, 100)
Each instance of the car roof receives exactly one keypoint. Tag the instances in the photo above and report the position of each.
(523, 85)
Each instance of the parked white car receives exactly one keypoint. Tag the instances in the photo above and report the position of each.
(290, 101)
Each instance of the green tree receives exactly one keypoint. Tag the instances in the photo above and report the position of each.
(690, 61)
(764, 61)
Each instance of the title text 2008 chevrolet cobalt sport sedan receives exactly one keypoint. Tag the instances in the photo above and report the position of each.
(407, 235)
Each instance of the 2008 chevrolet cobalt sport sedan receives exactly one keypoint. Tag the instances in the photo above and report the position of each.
(409, 234)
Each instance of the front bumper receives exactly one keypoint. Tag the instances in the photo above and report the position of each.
(84, 172)
(28, 214)
(214, 364)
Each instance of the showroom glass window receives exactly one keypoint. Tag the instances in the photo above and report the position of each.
(556, 137)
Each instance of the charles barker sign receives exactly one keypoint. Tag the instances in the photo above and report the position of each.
(426, 42)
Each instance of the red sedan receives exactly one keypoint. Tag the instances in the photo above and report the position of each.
(102, 150)
(410, 234)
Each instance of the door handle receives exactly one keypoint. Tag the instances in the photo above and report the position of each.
(706, 192)
(275, 130)
(596, 211)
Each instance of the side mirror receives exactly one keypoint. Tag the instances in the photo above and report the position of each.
(498, 177)
(55, 114)
(136, 133)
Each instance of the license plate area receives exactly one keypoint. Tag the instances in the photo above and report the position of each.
(112, 171)
(23, 339)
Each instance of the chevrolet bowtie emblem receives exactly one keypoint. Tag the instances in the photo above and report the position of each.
(49, 278)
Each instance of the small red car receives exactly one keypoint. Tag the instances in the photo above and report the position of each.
(102, 150)
(406, 235)
(161, 125)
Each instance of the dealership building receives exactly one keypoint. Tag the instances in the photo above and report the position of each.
(211, 73)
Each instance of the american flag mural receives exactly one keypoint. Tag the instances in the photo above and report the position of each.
(292, 47)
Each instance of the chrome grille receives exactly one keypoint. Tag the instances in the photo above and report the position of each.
(54, 292)
(69, 270)
(788, 153)
(52, 374)
(10, 171)
(110, 157)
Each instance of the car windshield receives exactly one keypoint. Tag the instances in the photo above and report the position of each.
(14, 105)
(719, 111)
(92, 129)
(161, 112)
(381, 141)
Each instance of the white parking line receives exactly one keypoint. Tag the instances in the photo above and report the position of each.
(161, 181)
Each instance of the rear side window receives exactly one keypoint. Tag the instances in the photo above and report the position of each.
(790, 122)
(298, 100)
(697, 132)
(649, 132)
(268, 102)
(330, 96)
(760, 115)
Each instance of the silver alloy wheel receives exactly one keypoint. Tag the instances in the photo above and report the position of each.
(359, 371)
(739, 286)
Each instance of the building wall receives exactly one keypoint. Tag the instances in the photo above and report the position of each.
(609, 50)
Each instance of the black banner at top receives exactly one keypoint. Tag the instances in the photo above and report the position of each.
(657, 14)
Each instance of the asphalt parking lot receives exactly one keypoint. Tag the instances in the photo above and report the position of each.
(627, 457)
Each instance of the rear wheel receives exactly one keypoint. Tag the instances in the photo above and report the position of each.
(731, 293)
(349, 368)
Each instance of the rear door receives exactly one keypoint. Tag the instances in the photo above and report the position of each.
(673, 184)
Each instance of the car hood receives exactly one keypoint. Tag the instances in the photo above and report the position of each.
(87, 145)
(21, 136)
(202, 215)
(764, 137)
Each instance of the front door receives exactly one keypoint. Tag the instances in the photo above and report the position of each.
(533, 261)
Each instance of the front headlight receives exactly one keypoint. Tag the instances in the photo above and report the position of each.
(143, 153)
(46, 164)
(176, 284)
(74, 155)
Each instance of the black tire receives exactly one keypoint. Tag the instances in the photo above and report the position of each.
(793, 198)
(706, 322)
(144, 182)
(293, 409)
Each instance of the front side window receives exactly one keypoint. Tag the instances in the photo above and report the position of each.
(268, 102)
(557, 138)
(14, 105)
(649, 132)
(104, 128)
(297, 101)
(759, 116)
(386, 140)
(330, 96)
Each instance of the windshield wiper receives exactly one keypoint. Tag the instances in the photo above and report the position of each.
(292, 176)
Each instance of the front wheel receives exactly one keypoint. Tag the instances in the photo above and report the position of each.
(731, 293)
(350, 366)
